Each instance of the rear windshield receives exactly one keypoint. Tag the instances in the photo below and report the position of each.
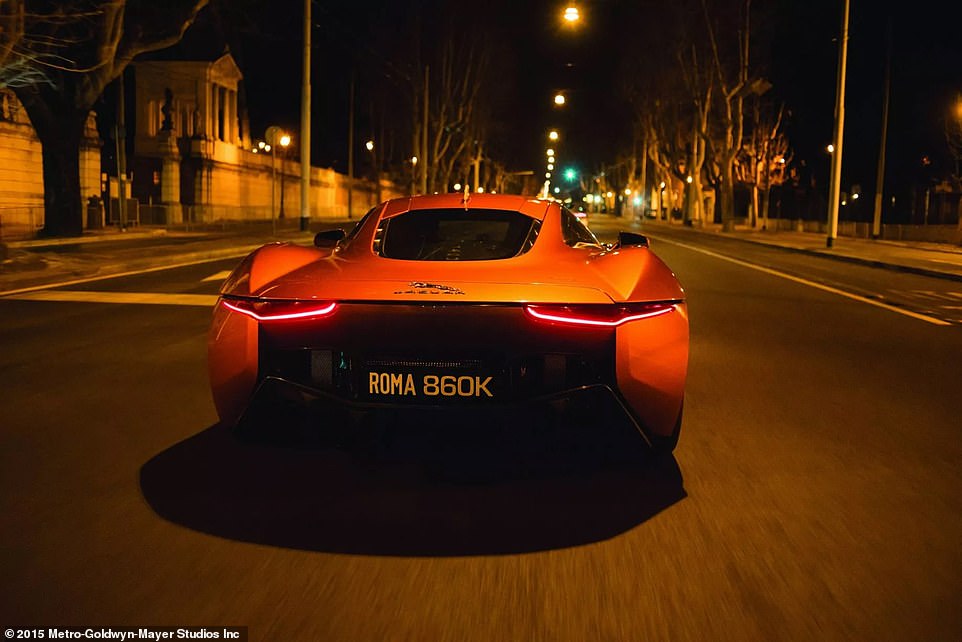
(456, 235)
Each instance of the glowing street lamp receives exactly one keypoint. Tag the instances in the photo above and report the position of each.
(559, 99)
(553, 135)
(285, 141)
(273, 136)
(571, 14)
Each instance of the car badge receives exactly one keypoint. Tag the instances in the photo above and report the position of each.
(422, 287)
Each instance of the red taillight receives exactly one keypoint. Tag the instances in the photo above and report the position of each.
(603, 315)
(280, 310)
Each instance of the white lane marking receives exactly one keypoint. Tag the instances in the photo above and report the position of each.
(220, 276)
(813, 284)
(158, 298)
(88, 279)
(932, 294)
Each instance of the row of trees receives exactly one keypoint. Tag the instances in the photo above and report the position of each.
(697, 85)
(693, 71)
(434, 89)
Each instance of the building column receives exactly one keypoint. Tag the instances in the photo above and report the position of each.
(232, 118)
(213, 119)
(170, 176)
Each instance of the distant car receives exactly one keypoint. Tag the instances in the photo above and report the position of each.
(455, 302)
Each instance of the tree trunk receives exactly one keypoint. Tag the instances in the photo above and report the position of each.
(766, 200)
(60, 126)
(63, 209)
(727, 198)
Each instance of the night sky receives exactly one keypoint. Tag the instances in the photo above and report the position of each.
(536, 56)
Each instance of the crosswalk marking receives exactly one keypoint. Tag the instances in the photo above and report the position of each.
(220, 276)
(156, 298)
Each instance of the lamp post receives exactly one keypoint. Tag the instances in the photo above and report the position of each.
(835, 186)
(285, 141)
(369, 145)
(273, 135)
(414, 177)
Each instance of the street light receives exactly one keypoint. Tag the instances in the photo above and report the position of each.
(571, 14)
(285, 141)
(414, 169)
(273, 135)
(553, 135)
(369, 146)
(559, 99)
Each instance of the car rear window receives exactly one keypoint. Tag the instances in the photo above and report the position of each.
(456, 235)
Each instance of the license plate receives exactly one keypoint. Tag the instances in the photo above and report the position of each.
(428, 387)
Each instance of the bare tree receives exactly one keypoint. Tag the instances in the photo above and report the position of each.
(666, 151)
(11, 35)
(953, 137)
(764, 159)
(454, 129)
(82, 45)
(700, 87)
(20, 62)
(732, 83)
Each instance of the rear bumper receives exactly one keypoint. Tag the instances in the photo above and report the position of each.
(591, 412)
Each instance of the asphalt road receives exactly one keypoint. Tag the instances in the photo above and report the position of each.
(816, 492)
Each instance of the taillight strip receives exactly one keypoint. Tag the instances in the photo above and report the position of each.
(572, 317)
(314, 310)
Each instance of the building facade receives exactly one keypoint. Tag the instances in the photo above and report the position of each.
(192, 160)
(195, 159)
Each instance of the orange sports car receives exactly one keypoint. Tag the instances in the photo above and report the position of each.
(455, 301)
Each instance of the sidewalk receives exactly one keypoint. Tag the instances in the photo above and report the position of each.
(42, 262)
(939, 260)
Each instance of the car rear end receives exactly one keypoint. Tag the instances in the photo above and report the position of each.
(452, 336)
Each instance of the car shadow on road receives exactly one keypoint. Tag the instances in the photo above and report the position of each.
(326, 500)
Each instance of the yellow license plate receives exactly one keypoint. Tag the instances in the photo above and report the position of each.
(428, 387)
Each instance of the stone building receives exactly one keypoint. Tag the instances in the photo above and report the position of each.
(194, 158)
